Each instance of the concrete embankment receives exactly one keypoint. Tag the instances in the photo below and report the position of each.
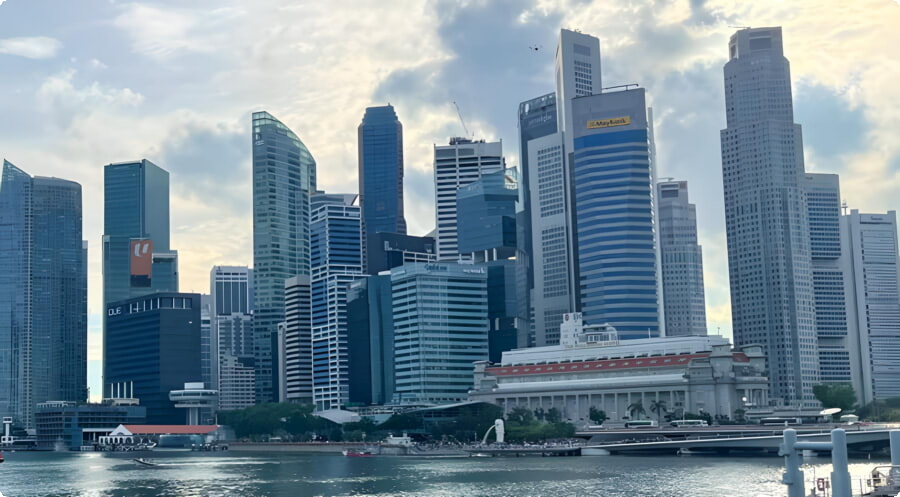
(309, 448)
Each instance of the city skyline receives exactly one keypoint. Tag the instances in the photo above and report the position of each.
(81, 97)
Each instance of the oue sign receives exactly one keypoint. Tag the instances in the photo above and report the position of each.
(114, 311)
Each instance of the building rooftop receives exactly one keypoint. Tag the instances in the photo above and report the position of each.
(170, 429)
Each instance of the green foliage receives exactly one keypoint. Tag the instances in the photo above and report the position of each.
(470, 425)
(293, 420)
(836, 395)
(553, 416)
(539, 413)
(885, 411)
(365, 425)
(400, 422)
(520, 415)
(538, 432)
(598, 416)
(636, 409)
(658, 407)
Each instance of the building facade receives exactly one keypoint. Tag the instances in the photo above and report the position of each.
(298, 340)
(370, 327)
(236, 384)
(154, 342)
(385, 251)
(336, 262)
(456, 165)
(380, 138)
(231, 322)
(440, 329)
(75, 425)
(873, 302)
(766, 221)
(592, 368)
(43, 293)
(615, 213)
(682, 261)
(284, 176)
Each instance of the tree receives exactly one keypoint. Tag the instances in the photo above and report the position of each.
(520, 415)
(658, 407)
(836, 395)
(539, 413)
(636, 409)
(598, 416)
(553, 415)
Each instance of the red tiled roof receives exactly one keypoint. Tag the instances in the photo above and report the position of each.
(171, 429)
(578, 367)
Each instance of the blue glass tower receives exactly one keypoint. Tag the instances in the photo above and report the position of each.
(614, 213)
(284, 176)
(43, 293)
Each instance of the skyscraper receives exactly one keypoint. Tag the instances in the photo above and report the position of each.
(537, 118)
(43, 293)
(772, 302)
(231, 304)
(873, 302)
(614, 212)
(823, 201)
(137, 259)
(284, 176)
(298, 340)
(456, 165)
(380, 137)
(385, 251)
(440, 330)
(682, 261)
(370, 323)
(336, 262)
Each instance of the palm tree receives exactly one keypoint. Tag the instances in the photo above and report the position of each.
(659, 407)
(636, 409)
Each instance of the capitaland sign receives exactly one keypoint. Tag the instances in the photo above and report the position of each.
(609, 123)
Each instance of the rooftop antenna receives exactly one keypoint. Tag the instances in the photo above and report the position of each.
(844, 207)
(458, 113)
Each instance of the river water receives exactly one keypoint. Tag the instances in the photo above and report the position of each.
(185, 474)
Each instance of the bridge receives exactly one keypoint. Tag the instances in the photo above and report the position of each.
(724, 443)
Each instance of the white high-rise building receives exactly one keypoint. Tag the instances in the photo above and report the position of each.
(456, 165)
(298, 340)
(682, 261)
(231, 327)
(766, 219)
(873, 302)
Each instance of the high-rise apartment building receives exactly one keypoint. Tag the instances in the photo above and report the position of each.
(456, 165)
(766, 219)
(440, 330)
(43, 293)
(284, 176)
(380, 138)
(682, 261)
(614, 213)
(537, 118)
(823, 202)
(298, 340)
(336, 262)
(873, 302)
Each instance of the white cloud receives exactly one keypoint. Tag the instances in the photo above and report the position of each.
(35, 47)
(97, 64)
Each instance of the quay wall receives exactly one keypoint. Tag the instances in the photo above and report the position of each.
(308, 448)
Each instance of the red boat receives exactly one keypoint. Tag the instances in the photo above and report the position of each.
(1, 457)
(358, 453)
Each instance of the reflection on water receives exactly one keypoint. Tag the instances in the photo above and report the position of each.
(185, 474)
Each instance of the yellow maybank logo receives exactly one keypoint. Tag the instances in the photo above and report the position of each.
(608, 123)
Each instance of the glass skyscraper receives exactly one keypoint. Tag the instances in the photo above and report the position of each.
(614, 213)
(137, 259)
(380, 137)
(43, 293)
(766, 219)
(284, 176)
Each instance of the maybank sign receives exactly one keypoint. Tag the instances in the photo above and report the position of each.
(608, 123)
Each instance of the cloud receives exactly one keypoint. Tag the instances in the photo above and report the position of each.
(36, 47)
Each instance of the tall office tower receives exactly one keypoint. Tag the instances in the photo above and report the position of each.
(873, 302)
(823, 195)
(284, 176)
(336, 262)
(298, 340)
(682, 261)
(486, 231)
(456, 165)
(209, 349)
(43, 294)
(154, 341)
(380, 138)
(236, 385)
(137, 259)
(766, 221)
(231, 304)
(440, 330)
(614, 213)
(537, 119)
(370, 326)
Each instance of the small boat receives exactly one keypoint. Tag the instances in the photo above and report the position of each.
(358, 453)
(1, 457)
(143, 462)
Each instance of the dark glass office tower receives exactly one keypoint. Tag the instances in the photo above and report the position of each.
(380, 138)
(137, 259)
(284, 176)
(43, 293)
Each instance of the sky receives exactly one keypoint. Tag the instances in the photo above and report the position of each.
(87, 83)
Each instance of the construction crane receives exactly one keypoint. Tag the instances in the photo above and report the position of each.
(458, 113)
